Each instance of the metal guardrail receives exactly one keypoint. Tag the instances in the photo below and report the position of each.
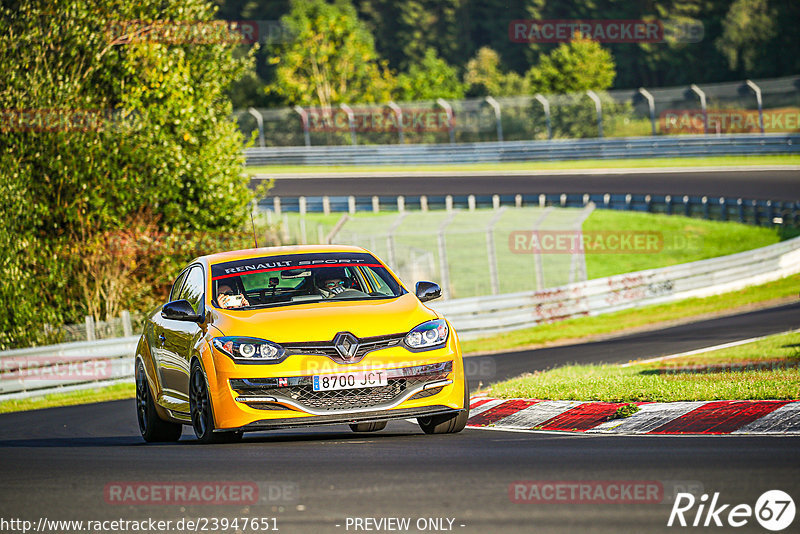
(493, 152)
(58, 368)
(478, 316)
(65, 367)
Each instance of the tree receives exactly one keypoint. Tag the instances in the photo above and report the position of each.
(431, 79)
(107, 120)
(331, 59)
(485, 76)
(579, 65)
(747, 29)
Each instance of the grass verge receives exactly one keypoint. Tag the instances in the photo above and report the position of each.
(643, 382)
(539, 165)
(115, 392)
(635, 318)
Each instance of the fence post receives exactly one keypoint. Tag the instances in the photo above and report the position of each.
(444, 268)
(90, 333)
(651, 103)
(494, 278)
(127, 328)
(757, 90)
(538, 266)
(351, 122)
(546, 105)
(699, 92)
(450, 118)
(304, 119)
(260, 122)
(497, 117)
(399, 114)
(598, 107)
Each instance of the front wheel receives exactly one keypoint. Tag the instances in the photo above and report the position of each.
(447, 423)
(200, 409)
(151, 426)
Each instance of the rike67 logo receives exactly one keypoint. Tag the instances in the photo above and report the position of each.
(774, 510)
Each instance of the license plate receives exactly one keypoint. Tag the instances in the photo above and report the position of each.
(362, 379)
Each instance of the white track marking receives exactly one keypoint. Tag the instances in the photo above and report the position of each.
(649, 417)
(784, 420)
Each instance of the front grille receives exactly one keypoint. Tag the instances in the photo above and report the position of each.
(430, 392)
(300, 390)
(326, 348)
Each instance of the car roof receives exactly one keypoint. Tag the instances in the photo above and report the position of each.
(263, 252)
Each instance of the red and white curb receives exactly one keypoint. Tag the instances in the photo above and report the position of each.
(771, 417)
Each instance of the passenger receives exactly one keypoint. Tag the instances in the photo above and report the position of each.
(228, 299)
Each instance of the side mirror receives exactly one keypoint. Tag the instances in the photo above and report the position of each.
(180, 310)
(426, 291)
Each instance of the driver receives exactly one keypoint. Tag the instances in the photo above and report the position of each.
(331, 282)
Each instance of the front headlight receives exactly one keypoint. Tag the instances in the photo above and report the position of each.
(249, 349)
(428, 335)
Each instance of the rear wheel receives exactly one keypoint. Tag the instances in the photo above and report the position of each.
(368, 427)
(200, 410)
(151, 426)
(447, 423)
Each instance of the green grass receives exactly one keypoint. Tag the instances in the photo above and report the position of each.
(684, 240)
(540, 165)
(587, 327)
(642, 382)
(115, 392)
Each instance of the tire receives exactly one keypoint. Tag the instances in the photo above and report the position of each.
(448, 423)
(368, 427)
(151, 426)
(200, 410)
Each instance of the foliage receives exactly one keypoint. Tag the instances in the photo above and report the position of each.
(331, 59)
(485, 76)
(430, 79)
(576, 66)
(118, 121)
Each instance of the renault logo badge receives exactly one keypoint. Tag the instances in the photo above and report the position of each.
(346, 345)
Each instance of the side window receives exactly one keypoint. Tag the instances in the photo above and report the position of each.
(193, 288)
(176, 287)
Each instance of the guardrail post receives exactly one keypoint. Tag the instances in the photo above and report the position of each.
(423, 203)
(276, 206)
(740, 206)
(706, 214)
(376, 204)
(770, 213)
(471, 202)
(757, 90)
(598, 107)
(651, 103)
(351, 122)
(668, 204)
(451, 123)
(687, 209)
(606, 200)
(304, 119)
(351, 204)
(542, 200)
(546, 105)
(756, 214)
(517, 201)
(495, 202)
(497, 117)
(302, 206)
(127, 328)
(90, 333)
(399, 114)
(563, 200)
(586, 198)
(699, 92)
(723, 209)
(401, 203)
(628, 201)
(448, 203)
(648, 203)
(260, 122)
(326, 205)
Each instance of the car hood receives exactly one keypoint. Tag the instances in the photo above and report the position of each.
(321, 321)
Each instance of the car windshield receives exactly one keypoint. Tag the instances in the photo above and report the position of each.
(301, 278)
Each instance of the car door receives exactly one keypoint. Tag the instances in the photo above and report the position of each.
(157, 337)
(179, 338)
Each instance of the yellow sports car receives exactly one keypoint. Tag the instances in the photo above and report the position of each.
(293, 336)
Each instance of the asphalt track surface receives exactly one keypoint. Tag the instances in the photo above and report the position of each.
(783, 185)
(56, 463)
